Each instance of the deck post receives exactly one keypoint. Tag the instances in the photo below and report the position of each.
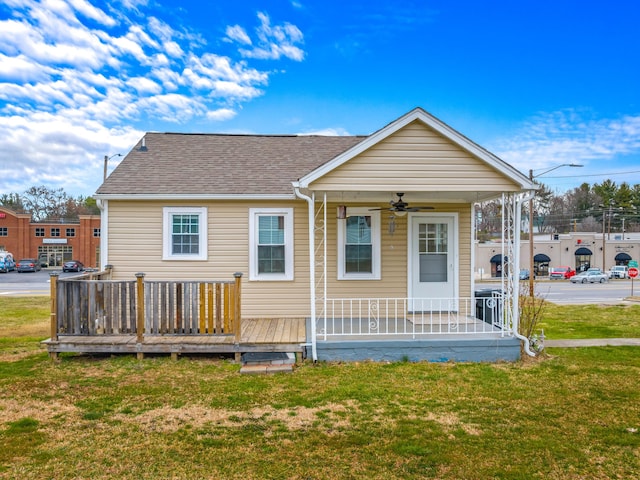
(237, 312)
(53, 318)
(139, 308)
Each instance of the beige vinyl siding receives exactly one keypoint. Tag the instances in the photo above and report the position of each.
(393, 282)
(415, 158)
(135, 245)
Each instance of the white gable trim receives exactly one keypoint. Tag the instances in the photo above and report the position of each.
(440, 127)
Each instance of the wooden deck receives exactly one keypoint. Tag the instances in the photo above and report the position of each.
(257, 335)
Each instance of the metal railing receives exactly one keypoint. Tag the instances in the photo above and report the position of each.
(378, 317)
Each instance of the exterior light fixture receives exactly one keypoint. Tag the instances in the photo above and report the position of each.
(106, 160)
(342, 212)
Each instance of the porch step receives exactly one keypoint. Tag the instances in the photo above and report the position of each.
(267, 362)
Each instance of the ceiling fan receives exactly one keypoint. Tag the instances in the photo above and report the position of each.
(400, 207)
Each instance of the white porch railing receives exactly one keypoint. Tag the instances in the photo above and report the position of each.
(359, 317)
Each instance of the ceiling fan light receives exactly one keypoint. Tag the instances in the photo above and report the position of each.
(399, 213)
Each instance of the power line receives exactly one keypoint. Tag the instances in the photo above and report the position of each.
(596, 174)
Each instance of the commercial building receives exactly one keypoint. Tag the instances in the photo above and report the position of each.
(578, 250)
(52, 242)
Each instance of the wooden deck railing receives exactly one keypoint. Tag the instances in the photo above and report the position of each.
(86, 306)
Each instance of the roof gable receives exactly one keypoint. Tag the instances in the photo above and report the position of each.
(419, 115)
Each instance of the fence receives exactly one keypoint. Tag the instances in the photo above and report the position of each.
(93, 305)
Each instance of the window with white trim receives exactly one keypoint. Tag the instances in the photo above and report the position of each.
(271, 244)
(184, 233)
(359, 245)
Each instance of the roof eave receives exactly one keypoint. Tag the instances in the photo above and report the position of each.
(164, 196)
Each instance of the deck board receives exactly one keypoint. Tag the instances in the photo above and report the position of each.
(258, 335)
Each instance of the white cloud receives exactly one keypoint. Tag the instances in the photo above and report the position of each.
(221, 114)
(238, 34)
(330, 132)
(89, 11)
(75, 78)
(569, 136)
(21, 69)
(273, 42)
(144, 85)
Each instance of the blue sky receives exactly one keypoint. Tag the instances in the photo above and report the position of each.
(539, 83)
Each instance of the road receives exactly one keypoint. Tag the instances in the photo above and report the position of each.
(556, 291)
(25, 284)
(563, 292)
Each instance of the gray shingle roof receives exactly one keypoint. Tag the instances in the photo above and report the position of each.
(217, 164)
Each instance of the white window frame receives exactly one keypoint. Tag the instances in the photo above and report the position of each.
(167, 224)
(375, 246)
(254, 214)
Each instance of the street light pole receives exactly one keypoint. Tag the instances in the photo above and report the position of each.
(106, 161)
(531, 177)
(531, 272)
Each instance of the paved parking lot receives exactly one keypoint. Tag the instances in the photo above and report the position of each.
(14, 283)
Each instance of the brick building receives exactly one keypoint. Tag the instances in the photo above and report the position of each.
(52, 242)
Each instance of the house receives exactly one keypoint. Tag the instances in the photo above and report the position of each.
(367, 238)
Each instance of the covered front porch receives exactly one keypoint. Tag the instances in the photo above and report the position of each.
(422, 256)
(409, 329)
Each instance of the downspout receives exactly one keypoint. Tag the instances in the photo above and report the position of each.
(104, 231)
(312, 269)
(516, 271)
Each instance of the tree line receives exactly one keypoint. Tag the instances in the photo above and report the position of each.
(49, 205)
(604, 206)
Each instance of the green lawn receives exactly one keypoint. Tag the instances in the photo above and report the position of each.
(569, 414)
(591, 321)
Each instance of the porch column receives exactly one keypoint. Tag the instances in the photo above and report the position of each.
(511, 215)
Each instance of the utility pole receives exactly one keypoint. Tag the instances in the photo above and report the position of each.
(531, 272)
(531, 176)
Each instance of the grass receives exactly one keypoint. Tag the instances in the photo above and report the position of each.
(590, 321)
(571, 414)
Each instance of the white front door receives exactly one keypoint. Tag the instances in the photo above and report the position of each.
(433, 257)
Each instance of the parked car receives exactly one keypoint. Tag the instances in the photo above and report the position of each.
(7, 263)
(73, 266)
(44, 260)
(619, 271)
(28, 265)
(562, 272)
(524, 274)
(590, 276)
(597, 270)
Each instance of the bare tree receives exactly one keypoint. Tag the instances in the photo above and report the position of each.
(45, 203)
